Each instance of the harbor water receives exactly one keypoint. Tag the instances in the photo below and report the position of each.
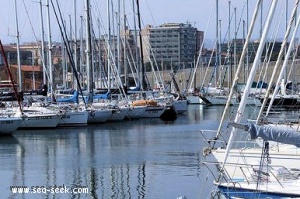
(145, 158)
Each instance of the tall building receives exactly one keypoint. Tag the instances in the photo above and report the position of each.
(172, 45)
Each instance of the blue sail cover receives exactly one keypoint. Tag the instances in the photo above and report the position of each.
(273, 133)
(102, 96)
(73, 99)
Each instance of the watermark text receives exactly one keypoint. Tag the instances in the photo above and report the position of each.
(77, 189)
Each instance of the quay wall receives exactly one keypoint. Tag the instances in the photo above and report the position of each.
(204, 75)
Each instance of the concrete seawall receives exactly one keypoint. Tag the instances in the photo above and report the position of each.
(204, 75)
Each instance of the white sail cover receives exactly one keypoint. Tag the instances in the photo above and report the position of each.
(272, 133)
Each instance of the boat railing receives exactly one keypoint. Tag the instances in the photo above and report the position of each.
(210, 138)
(214, 140)
(252, 173)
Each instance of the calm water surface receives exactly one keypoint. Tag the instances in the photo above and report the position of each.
(146, 158)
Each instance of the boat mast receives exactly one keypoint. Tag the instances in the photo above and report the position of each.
(75, 39)
(124, 47)
(68, 48)
(144, 84)
(198, 62)
(99, 80)
(220, 80)
(229, 54)
(108, 47)
(18, 48)
(64, 65)
(217, 43)
(234, 47)
(43, 52)
(256, 62)
(243, 45)
(50, 48)
(81, 51)
(237, 73)
(286, 27)
(135, 39)
(72, 51)
(278, 62)
(247, 51)
(88, 54)
(118, 38)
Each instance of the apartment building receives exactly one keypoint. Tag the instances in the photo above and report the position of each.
(172, 45)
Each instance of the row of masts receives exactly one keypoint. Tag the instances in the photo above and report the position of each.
(86, 66)
(278, 67)
(229, 64)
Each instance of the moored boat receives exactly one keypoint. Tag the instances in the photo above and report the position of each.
(153, 110)
(98, 115)
(74, 118)
(9, 125)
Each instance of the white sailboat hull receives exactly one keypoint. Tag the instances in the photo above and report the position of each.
(118, 114)
(194, 99)
(222, 100)
(153, 112)
(99, 115)
(180, 106)
(40, 121)
(135, 112)
(74, 118)
(9, 124)
(219, 100)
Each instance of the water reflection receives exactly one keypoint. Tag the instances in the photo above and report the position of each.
(12, 168)
(146, 158)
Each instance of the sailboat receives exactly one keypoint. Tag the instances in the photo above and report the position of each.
(34, 116)
(216, 93)
(268, 171)
(259, 172)
(9, 122)
(139, 96)
(74, 108)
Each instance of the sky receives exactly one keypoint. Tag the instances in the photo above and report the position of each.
(199, 13)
